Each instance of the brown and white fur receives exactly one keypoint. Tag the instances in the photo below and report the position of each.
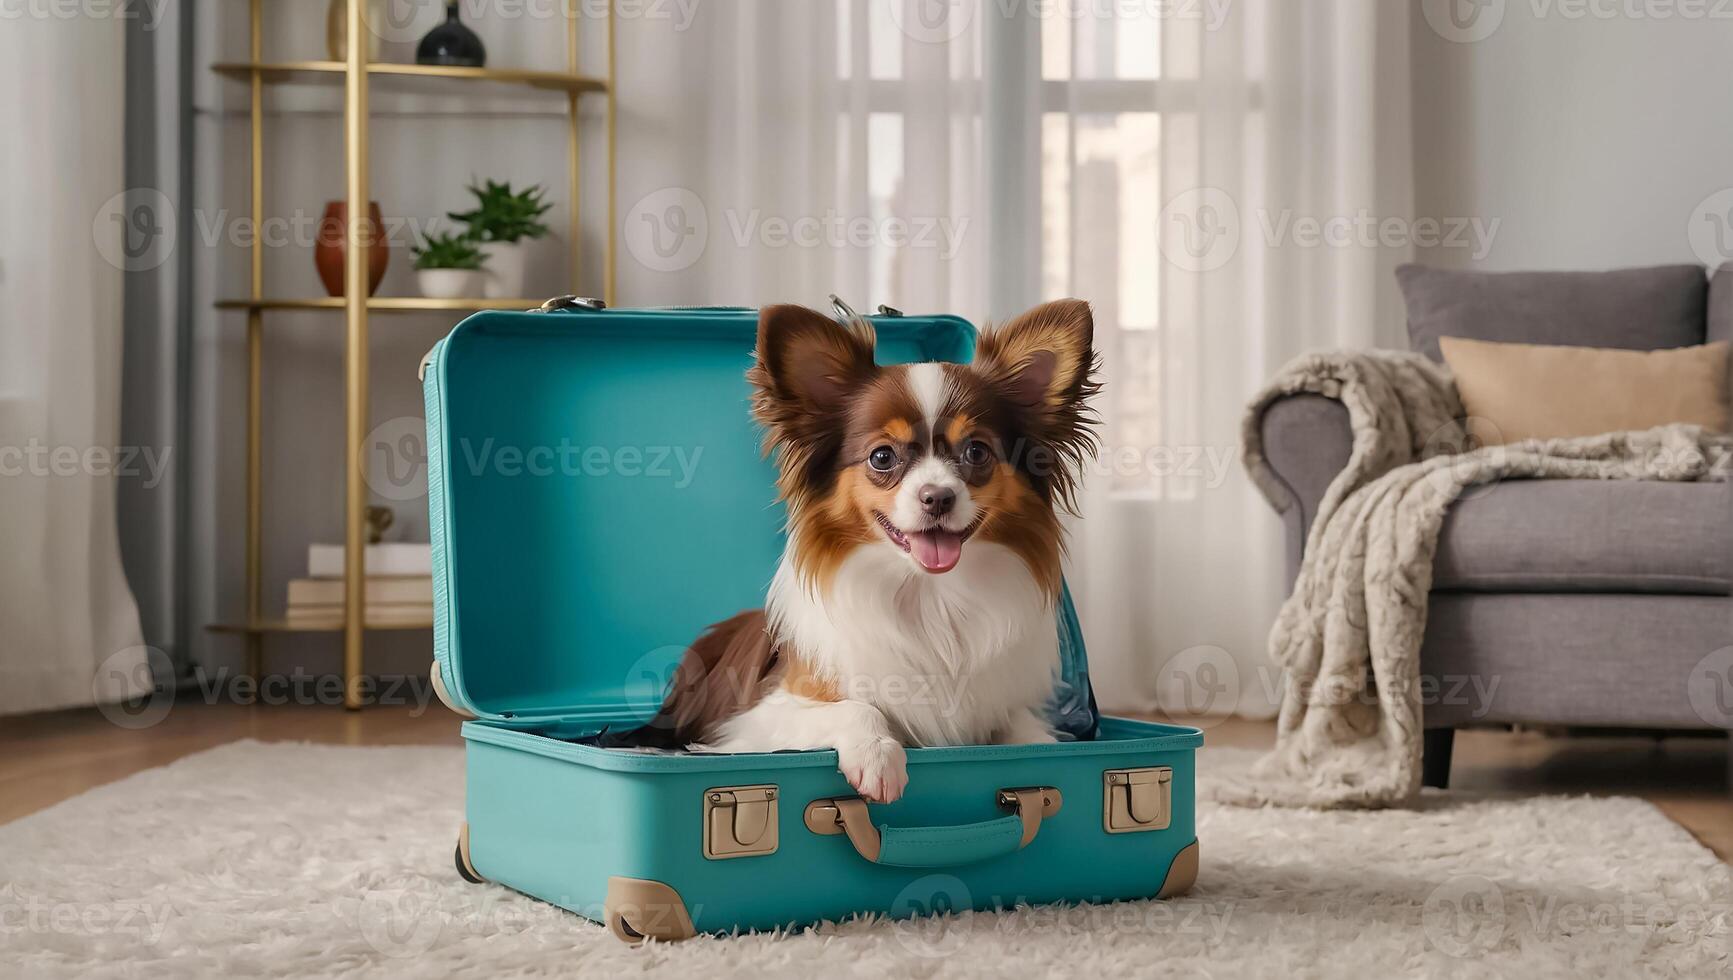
(915, 601)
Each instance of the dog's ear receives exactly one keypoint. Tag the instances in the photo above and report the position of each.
(1043, 363)
(1042, 359)
(808, 364)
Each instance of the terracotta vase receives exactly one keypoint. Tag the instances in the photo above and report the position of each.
(328, 251)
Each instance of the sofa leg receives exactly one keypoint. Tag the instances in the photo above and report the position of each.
(1435, 757)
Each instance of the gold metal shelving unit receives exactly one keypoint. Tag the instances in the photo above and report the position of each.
(355, 74)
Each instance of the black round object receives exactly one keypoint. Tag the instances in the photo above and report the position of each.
(451, 43)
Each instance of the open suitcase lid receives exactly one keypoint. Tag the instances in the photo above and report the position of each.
(598, 496)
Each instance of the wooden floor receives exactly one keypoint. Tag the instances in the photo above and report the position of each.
(47, 758)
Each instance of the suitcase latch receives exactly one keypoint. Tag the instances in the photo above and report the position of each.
(569, 302)
(1136, 799)
(739, 821)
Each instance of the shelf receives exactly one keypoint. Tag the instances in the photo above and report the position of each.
(270, 625)
(279, 72)
(381, 304)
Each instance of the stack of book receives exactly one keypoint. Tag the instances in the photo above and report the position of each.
(399, 589)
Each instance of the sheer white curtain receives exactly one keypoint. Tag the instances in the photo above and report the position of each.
(977, 158)
(1220, 230)
(69, 631)
(797, 148)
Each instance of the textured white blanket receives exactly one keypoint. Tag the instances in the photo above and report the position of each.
(1348, 638)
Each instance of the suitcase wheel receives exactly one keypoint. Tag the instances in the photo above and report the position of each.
(461, 858)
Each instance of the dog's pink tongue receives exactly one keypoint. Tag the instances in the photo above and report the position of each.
(937, 551)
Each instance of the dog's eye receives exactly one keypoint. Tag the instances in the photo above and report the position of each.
(883, 459)
(976, 453)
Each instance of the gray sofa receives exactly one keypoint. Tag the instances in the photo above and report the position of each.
(1555, 602)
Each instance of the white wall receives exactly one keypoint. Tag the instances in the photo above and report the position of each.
(1593, 139)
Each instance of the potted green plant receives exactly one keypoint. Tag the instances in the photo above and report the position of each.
(503, 221)
(448, 266)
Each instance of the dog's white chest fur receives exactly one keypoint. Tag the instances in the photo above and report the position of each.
(953, 659)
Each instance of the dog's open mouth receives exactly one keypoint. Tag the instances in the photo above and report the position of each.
(935, 549)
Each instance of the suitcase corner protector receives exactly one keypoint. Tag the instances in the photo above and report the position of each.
(638, 909)
(1181, 873)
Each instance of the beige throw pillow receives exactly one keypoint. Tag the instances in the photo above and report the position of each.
(1513, 392)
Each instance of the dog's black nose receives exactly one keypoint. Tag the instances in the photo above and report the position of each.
(937, 501)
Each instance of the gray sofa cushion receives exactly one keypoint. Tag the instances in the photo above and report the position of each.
(1589, 536)
(1634, 309)
(1621, 660)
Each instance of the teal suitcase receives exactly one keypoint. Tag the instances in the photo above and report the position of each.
(597, 498)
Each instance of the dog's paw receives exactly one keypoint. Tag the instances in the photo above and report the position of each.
(876, 767)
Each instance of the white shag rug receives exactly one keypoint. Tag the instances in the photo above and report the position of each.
(286, 860)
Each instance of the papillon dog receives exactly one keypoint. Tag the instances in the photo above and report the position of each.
(916, 600)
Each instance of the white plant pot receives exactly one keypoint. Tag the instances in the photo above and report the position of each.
(504, 269)
(449, 283)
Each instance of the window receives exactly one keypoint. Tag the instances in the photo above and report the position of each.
(1101, 129)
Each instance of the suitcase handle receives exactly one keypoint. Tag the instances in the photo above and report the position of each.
(936, 847)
